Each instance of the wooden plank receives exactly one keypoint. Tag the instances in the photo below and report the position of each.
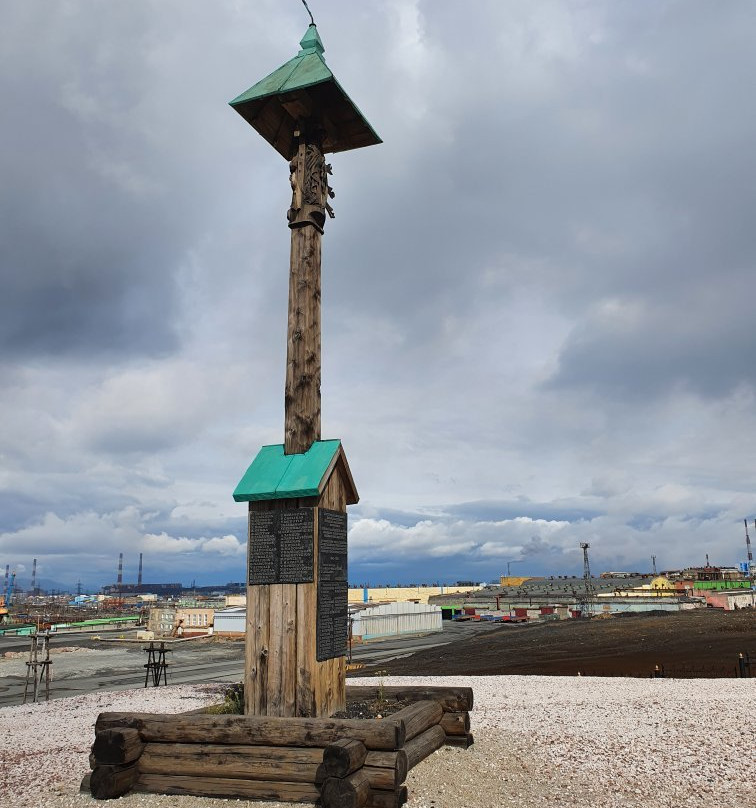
(455, 723)
(454, 699)
(117, 746)
(274, 694)
(387, 734)
(256, 650)
(423, 745)
(419, 717)
(227, 787)
(306, 704)
(289, 650)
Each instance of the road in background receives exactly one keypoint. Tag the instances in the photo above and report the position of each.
(109, 664)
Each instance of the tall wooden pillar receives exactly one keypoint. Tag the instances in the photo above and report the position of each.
(298, 491)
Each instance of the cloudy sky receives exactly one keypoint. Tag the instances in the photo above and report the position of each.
(539, 301)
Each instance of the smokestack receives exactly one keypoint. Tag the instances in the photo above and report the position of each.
(7, 575)
(34, 577)
(120, 570)
(139, 577)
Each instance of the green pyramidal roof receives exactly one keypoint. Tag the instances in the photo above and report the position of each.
(304, 89)
(275, 475)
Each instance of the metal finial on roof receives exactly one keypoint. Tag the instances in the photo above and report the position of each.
(304, 3)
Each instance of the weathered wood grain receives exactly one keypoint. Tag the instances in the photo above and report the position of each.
(227, 787)
(423, 745)
(456, 723)
(419, 717)
(384, 735)
(343, 757)
(107, 782)
(345, 792)
(117, 746)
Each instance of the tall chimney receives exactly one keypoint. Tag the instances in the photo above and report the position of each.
(120, 570)
(7, 575)
(139, 577)
(34, 577)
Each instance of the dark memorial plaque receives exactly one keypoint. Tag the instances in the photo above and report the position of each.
(281, 547)
(332, 619)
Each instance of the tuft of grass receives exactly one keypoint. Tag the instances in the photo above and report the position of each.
(232, 704)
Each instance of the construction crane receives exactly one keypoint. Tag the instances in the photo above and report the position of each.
(587, 599)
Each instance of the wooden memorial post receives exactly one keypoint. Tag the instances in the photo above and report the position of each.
(298, 491)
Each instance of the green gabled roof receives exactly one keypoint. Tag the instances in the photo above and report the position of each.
(308, 67)
(304, 88)
(275, 475)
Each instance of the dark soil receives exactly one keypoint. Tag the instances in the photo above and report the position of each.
(702, 642)
(376, 708)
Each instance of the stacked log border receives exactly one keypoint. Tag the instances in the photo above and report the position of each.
(342, 763)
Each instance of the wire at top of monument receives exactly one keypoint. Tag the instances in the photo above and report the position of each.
(312, 20)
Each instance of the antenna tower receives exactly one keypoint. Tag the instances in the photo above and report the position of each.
(653, 564)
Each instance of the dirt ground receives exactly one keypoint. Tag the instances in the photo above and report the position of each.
(701, 643)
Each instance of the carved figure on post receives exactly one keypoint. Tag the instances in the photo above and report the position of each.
(308, 178)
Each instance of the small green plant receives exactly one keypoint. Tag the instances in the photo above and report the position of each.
(381, 687)
(233, 701)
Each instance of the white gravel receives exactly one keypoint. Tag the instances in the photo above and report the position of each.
(584, 742)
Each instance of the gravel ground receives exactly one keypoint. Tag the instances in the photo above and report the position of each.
(587, 742)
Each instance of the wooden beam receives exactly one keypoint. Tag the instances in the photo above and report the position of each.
(117, 746)
(227, 787)
(419, 717)
(345, 792)
(387, 734)
(343, 757)
(423, 745)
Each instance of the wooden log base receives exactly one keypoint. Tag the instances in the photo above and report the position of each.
(419, 717)
(227, 787)
(387, 799)
(456, 723)
(426, 744)
(338, 763)
(277, 764)
(463, 741)
(117, 746)
(108, 782)
(343, 757)
(257, 730)
(345, 792)
(393, 761)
